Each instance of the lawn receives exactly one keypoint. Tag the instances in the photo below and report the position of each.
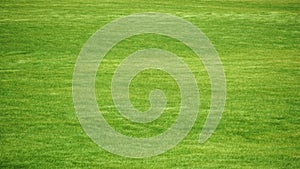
(257, 41)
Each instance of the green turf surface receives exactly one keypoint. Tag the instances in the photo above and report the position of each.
(258, 42)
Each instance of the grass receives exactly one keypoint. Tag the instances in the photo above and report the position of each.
(258, 43)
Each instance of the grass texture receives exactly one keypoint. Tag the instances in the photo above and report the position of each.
(258, 42)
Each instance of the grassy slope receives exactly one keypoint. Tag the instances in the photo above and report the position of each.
(258, 43)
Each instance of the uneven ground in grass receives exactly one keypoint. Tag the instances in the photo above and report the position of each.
(258, 42)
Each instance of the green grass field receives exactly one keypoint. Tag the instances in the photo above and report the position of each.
(258, 42)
